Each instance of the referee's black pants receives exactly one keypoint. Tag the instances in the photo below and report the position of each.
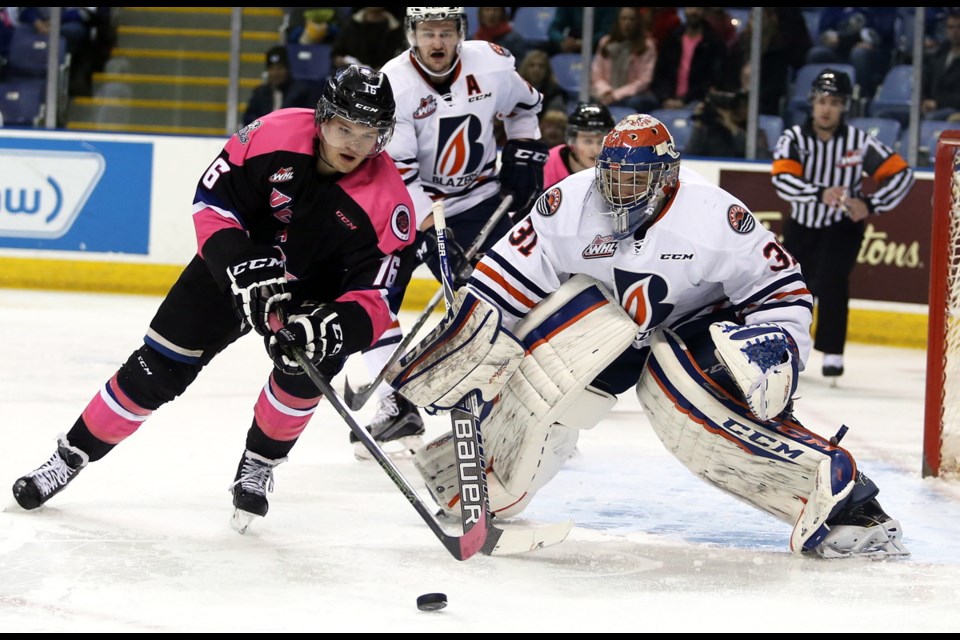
(827, 257)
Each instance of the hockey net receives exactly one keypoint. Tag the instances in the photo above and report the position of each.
(941, 438)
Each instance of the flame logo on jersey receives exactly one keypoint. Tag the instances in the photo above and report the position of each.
(458, 153)
(642, 295)
(741, 220)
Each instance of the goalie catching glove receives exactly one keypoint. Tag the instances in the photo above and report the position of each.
(762, 359)
(258, 285)
(521, 173)
(316, 329)
(467, 351)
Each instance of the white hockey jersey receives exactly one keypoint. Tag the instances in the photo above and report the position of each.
(445, 145)
(704, 252)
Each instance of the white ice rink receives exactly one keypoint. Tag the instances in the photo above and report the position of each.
(140, 542)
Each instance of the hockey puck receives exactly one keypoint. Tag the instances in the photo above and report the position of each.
(432, 601)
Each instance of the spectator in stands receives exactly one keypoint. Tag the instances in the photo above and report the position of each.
(371, 37)
(495, 27)
(690, 61)
(536, 69)
(279, 90)
(861, 36)
(313, 25)
(8, 22)
(77, 29)
(940, 88)
(565, 34)
(662, 21)
(720, 127)
(783, 49)
(623, 65)
(553, 128)
(722, 24)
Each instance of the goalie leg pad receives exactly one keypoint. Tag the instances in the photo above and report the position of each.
(778, 467)
(467, 351)
(571, 336)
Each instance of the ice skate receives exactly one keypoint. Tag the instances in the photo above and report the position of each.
(41, 484)
(254, 479)
(865, 531)
(397, 427)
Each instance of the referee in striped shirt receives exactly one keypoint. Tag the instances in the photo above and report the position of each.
(818, 167)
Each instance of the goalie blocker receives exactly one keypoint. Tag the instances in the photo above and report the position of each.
(531, 429)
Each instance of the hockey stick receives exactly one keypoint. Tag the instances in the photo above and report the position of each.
(356, 399)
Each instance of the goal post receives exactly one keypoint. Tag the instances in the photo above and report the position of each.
(941, 430)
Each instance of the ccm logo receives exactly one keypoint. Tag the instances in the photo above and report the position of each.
(676, 256)
(364, 107)
(257, 263)
(536, 156)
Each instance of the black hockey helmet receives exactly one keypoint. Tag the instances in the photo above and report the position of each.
(361, 95)
(831, 82)
(591, 117)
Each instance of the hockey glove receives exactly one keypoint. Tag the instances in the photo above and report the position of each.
(258, 285)
(318, 332)
(460, 267)
(521, 173)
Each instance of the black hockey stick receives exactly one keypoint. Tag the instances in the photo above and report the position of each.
(355, 399)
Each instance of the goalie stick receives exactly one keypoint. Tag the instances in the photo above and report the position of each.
(356, 399)
(487, 539)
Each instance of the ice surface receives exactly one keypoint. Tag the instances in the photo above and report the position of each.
(141, 542)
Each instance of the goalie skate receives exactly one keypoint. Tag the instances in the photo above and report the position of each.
(865, 532)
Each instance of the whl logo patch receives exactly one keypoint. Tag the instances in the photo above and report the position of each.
(43, 192)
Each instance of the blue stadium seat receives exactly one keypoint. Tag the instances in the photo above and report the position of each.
(28, 54)
(533, 23)
(568, 67)
(930, 131)
(887, 130)
(679, 122)
(473, 19)
(772, 127)
(894, 95)
(309, 62)
(798, 104)
(22, 101)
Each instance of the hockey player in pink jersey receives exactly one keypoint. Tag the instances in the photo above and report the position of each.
(302, 215)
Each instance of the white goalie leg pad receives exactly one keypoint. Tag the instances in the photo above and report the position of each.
(779, 467)
(762, 360)
(571, 336)
(467, 351)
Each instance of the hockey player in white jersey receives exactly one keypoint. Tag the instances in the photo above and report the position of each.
(450, 92)
(642, 274)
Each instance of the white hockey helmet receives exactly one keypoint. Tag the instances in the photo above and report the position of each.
(637, 171)
(432, 14)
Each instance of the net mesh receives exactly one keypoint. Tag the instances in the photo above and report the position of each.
(950, 426)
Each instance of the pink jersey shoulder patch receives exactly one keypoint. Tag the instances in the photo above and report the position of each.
(379, 190)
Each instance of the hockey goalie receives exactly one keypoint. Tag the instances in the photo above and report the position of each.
(642, 275)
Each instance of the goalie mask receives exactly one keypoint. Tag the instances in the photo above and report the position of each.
(416, 15)
(637, 171)
(362, 96)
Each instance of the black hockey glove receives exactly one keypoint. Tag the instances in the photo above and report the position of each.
(521, 173)
(460, 267)
(318, 332)
(258, 285)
